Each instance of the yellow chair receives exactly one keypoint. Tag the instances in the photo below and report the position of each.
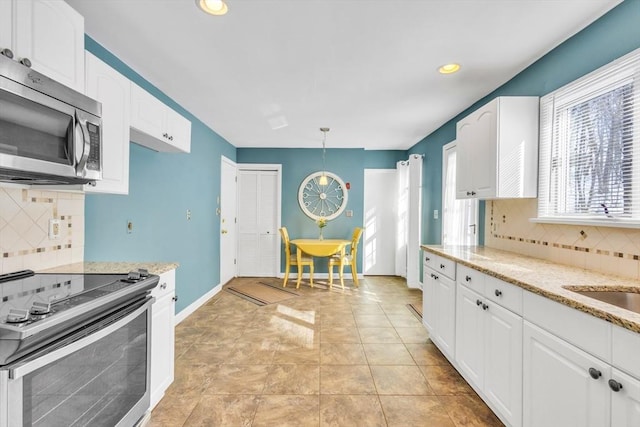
(349, 259)
(293, 260)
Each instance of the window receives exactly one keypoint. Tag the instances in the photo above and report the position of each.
(590, 147)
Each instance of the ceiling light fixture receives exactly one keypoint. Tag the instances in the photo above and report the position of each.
(213, 7)
(323, 180)
(449, 68)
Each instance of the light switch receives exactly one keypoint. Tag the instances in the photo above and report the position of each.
(435, 214)
(129, 226)
(349, 213)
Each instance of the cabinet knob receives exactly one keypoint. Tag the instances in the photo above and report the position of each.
(595, 374)
(6, 52)
(468, 193)
(442, 266)
(26, 62)
(171, 138)
(498, 292)
(615, 385)
(175, 298)
(467, 278)
(436, 277)
(427, 258)
(485, 307)
(163, 286)
(473, 193)
(478, 302)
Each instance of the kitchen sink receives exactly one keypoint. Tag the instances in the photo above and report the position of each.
(623, 299)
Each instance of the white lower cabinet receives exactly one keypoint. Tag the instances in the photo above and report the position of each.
(445, 316)
(625, 403)
(429, 284)
(489, 352)
(162, 336)
(563, 385)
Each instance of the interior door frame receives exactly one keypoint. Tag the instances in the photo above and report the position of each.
(230, 162)
(391, 175)
(274, 167)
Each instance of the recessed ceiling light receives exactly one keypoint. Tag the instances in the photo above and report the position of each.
(212, 7)
(449, 68)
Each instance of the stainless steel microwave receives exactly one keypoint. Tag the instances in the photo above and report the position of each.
(49, 133)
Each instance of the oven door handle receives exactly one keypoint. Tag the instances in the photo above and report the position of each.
(82, 136)
(78, 344)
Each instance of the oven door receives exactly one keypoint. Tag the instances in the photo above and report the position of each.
(95, 377)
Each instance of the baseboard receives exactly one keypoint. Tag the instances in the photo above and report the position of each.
(191, 308)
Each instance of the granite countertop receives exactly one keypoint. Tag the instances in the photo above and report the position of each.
(548, 279)
(99, 267)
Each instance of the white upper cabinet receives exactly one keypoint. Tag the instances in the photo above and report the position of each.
(49, 33)
(498, 150)
(112, 89)
(155, 125)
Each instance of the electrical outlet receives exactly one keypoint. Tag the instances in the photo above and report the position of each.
(54, 229)
(435, 214)
(188, 214)
(349, 213)
(129, 227)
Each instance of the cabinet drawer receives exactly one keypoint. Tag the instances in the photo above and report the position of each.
(507, 295)
(430, 260)
(471, 278)
(446, 267)
(625, 350)
(580, 329)
(166, 285)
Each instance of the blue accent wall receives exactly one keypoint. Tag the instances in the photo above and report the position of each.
(297, 164)
(383, 159)
(612, 36)
(162, 186)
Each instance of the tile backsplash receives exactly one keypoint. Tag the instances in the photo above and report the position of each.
(604, 249)
(24, 228)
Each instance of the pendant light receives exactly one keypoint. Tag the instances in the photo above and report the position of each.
(323, 178)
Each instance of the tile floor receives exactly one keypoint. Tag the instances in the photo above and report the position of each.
(356, 357)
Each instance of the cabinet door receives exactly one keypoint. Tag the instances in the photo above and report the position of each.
(484, 150)
(179, 131)
(470, 335)
(445, 322)
(558, 388)
(6, 25)
(162, 336)
(503, 362)
(625, 404)
(112, 89)
(147, 112)
(51, 34)
(429, 283)
(464, 159)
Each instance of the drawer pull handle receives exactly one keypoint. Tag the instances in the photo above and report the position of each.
(441, 265)
(498, 292)
(615, 385)
(478, 302)
(163, 286)
(467, 278)
(595, 374)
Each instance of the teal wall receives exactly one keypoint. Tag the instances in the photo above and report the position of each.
(615, 34)
(162, 186)
(297, 164)
(383, 159)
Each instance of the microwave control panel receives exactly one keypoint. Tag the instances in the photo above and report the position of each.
(93, 162)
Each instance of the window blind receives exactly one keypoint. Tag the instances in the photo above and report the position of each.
(590, 146)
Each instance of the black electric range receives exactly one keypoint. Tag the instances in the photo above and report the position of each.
(38, 309)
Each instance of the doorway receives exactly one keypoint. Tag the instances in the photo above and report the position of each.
(379, 222)
(459, 217)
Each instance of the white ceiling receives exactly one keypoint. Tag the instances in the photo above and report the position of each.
(271, 72)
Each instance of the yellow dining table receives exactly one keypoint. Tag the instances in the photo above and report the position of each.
(319, 248)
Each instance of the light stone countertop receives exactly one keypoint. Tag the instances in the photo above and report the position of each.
(99, 267)
(548, 279)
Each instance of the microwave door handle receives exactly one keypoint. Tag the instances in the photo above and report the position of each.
(85, 140)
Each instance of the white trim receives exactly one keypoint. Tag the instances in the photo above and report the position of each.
(595, 222)
(191, 308)
(233, 164)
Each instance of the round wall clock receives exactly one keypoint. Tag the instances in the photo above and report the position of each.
(322, 201)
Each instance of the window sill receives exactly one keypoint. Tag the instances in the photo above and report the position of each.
(594, 222)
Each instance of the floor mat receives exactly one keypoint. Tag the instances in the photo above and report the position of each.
(416, 310)
(261, 293)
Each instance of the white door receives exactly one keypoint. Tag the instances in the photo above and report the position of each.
(470, 335)
(446, 315)
(227, 220)
(379, 222)
(258, 219)
(429, 283)
(503, 361)
(459, 216)
(625, 403)
(558, 387)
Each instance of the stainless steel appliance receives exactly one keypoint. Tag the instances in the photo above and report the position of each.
(49, 133)
(75, 349)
